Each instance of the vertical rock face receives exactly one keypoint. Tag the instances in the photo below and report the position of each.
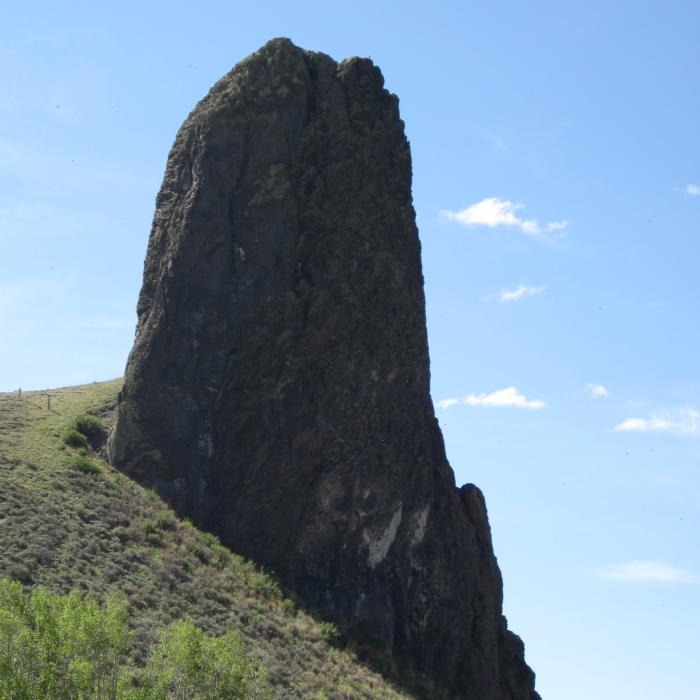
(278, 388)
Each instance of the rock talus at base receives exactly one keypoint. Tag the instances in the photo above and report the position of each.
(278, 389)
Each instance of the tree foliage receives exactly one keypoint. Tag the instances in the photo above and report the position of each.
(69, 647)
(54, 646)
(186, 664)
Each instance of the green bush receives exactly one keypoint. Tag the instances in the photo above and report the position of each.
(88, 425)
(152, 527)
(165, 521)
(148, 527)
(151, 532)
(82, 464)
(266, 586)
(186, 663)
(329, 632)
(220, 557)
(209, 539)
(73, 438)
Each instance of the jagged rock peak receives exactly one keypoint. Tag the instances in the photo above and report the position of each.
(278, 387)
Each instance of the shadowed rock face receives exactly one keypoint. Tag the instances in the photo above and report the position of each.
(278, 388)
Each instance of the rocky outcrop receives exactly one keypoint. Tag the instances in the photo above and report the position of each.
(278, 388)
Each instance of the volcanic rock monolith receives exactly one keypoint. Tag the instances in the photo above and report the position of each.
(278, 389)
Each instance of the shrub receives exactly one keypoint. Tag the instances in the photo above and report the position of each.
(220, 557)
(210, 539)
(266, 586)
(164, 521)
(148, 527)
(82, 464)
(88, 425)
(73, 438)
(151, 532)
(329, 632)
(153, 527)
(200, 551)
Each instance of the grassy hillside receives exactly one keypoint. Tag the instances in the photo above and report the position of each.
(66, 529)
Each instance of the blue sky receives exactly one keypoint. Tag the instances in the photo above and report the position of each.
(557, 185)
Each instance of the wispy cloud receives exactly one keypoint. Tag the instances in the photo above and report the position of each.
(596, 391)
(498, 139)
(494, 211)
(30, 304)
(519, 292)
(692, 190)
(509, 397)
(558, 225)
(59, 173)
(106, 323)
(64, 38)
(18, 297)
(684, 421)
(24, 217)
(645, 571)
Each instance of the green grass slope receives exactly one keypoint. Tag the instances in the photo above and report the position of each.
(67, 529)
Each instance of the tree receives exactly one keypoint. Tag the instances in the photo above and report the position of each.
(186, 664)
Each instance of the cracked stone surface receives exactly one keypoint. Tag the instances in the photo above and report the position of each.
(278, 388)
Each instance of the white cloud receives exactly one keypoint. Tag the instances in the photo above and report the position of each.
(519, 292)
(596, 391)
(494, 211)
(509, 397)
(446, 403)
(682, 422)
(692, 190)
(645, 571)
(504, 397)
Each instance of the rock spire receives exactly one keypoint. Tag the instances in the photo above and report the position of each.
(278, 388)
